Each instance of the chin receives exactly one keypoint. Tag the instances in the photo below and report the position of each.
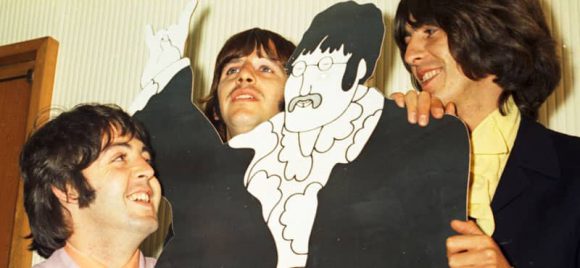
(145, 225)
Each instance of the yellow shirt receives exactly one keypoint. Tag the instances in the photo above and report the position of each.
(491, 143)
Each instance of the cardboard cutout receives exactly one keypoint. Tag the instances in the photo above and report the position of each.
(339, 179)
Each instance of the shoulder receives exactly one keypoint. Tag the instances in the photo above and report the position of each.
(566, 147)
(551, 153)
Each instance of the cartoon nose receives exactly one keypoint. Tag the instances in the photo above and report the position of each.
(304, 84)
(304, 90)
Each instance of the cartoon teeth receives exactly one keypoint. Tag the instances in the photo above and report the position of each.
(304, 103)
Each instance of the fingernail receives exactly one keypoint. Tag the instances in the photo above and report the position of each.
(423, 120)
(413, 118)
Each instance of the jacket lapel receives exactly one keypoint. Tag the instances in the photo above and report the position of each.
(533, 151)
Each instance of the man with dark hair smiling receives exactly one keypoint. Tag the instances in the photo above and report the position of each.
(493, 63)
(89, 189)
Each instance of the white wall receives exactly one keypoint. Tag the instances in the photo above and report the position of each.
(102, 49)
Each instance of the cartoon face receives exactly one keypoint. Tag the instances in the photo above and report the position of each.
(314, 95)
(127, 193)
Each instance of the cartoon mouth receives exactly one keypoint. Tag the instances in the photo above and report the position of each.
(304, 103)
(313, 99)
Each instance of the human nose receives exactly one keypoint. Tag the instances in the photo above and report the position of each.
(144, 170)
(415, 50)
(246, 74)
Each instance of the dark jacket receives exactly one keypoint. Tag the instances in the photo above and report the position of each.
(537, 203)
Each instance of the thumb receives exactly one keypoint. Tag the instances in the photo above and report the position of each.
(399, 99)
(466, 227)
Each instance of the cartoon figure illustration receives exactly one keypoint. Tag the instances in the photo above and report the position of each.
(329, 115)
(339, 179)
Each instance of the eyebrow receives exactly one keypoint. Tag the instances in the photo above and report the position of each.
(144, 149)
(233, 60)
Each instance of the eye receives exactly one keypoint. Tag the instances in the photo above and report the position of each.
(266, 69)
(430, 30)
(407, 38)
(120, 157)
(232, 70)
(147, 156)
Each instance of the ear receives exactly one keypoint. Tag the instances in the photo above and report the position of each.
(71, 196)
(361, 71)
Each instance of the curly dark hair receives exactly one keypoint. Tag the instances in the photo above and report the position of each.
(240, 45)
(506, 38)
(55, 156)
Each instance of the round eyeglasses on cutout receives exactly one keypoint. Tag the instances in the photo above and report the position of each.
(323, 64)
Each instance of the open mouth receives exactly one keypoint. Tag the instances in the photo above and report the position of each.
(139, 197)
(429, 75)
(311, 100)
(244, 97)
(243, 94)
(304, 103)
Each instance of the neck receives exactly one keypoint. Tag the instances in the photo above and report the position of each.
(233, 131)
(105, 246)
(477, 103)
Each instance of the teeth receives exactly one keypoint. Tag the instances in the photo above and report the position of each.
(139, 197)
(244, 97)
(430, 75)
(304, 103)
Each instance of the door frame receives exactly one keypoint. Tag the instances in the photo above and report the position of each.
(41, 54)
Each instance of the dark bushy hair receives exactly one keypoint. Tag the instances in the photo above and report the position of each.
(346, 24)
(240, 45)
(55, 156)
(506, 38)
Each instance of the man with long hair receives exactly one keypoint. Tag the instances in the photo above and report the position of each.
(493, 63)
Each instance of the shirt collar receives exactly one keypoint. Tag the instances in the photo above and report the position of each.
(86, 261)
(496, 133)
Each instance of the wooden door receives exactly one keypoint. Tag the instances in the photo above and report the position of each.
(14, 102)
(26, 79)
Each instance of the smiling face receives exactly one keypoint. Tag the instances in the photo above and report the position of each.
(250, 91)
(314, 94)
(127, 193)
(432, 64)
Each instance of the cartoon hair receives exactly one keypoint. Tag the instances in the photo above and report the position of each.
(359, 28)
